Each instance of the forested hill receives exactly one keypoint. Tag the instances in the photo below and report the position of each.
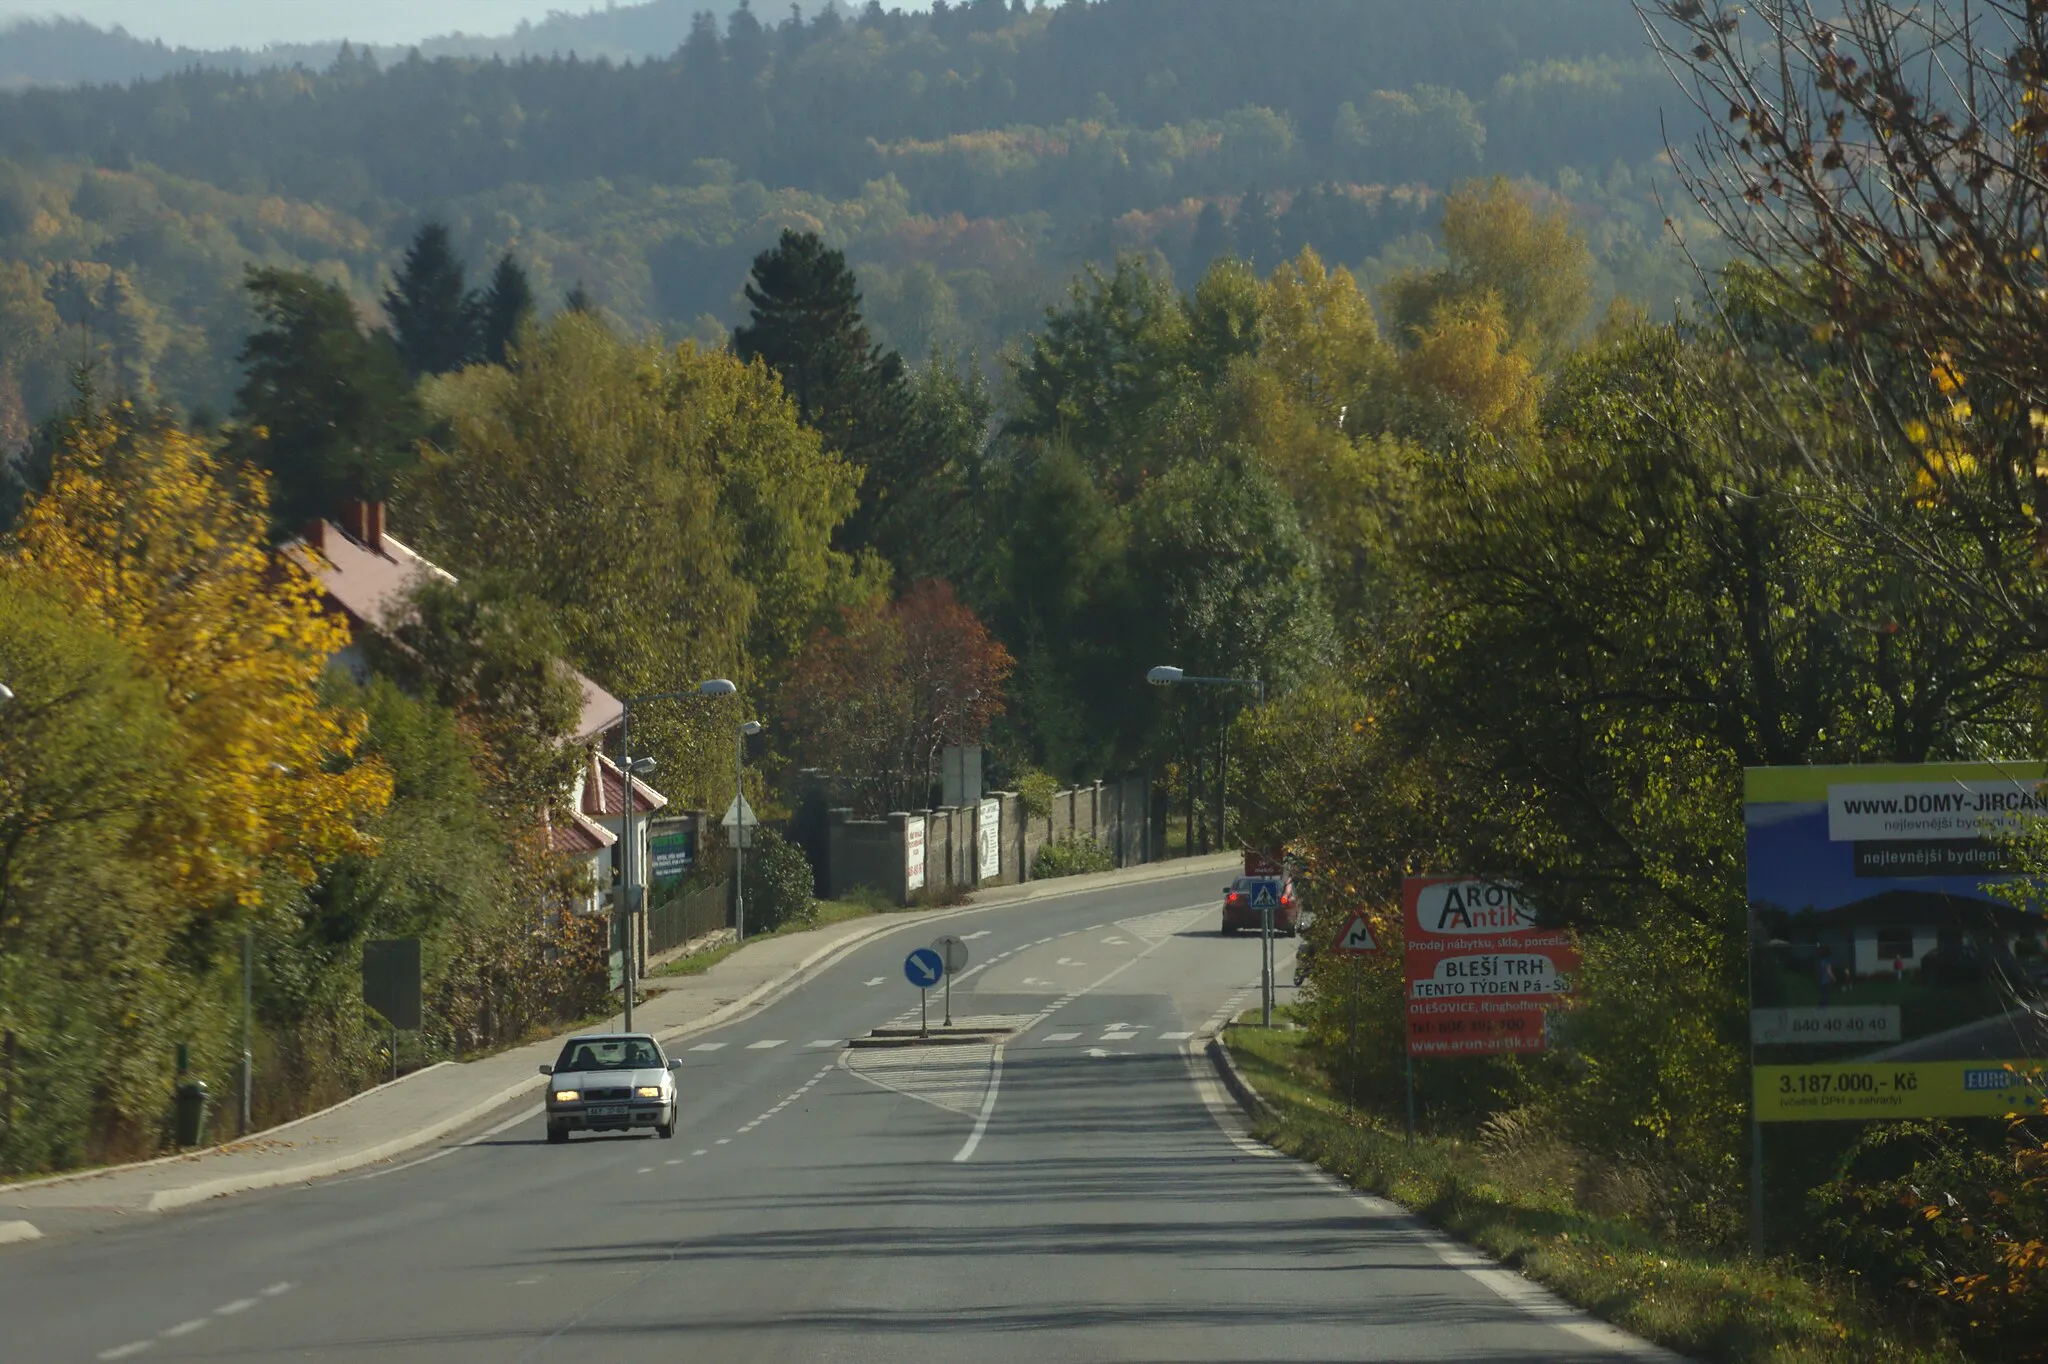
(64, 52)
(968, 160)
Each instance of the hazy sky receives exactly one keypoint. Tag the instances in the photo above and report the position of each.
(252, 23)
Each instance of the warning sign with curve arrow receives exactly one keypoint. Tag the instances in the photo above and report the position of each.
(1356, 940)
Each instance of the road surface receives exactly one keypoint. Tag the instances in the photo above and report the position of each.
(1079, 1194)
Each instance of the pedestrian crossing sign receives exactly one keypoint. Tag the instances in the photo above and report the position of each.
(1357, 938)
(1266, 895)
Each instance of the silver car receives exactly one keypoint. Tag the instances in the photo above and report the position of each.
(611, 1082)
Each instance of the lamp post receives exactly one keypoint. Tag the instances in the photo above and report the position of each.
(1166, 675)
(719, 686)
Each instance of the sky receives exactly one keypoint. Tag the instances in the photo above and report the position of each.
(254, 23)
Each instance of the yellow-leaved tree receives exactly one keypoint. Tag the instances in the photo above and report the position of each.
(145, 534)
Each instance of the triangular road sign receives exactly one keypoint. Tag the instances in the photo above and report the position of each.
(1357, 938)
(738, 813)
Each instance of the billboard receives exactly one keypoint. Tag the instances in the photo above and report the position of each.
(913, 853)
(1481, 971)
(1886, 978)
(988, 840)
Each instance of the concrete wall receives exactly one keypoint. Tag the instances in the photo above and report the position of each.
(871, 852)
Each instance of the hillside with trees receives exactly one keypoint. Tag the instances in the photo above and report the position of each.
(968, 161)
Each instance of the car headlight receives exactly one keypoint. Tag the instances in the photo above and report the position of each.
(566, 1096)
(649, 1091)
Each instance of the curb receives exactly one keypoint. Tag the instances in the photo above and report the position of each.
(768, 992)
(1250, 1100)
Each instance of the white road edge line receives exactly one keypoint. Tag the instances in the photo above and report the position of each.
(133, 1347)
(988, 1107)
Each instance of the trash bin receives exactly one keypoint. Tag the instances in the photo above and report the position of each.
(190, 1123)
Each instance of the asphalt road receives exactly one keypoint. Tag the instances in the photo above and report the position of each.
(1079, 1194)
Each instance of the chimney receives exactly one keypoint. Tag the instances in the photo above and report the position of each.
(364, 521)
(593, 787)
(373, 521)
(315, 535)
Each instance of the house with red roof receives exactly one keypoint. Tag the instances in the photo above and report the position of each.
(367, 574)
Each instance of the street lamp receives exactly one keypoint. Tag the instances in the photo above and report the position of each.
(6, 693)
(719, 686)
(1166, 675)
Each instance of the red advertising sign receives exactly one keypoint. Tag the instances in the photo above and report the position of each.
(1480, 970)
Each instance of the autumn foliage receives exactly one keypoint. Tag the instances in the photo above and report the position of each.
(876, 699)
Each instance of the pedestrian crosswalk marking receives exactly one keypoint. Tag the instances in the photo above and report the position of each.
(708, 1046)
(765, 1043)
(1061, 1036)
(1175, 1036)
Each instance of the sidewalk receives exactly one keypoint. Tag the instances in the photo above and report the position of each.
(426, 1105)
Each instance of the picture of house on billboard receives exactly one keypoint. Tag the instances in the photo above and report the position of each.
(1480, 969)
(1888, 977)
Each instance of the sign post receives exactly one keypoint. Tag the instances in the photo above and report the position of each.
(1481, 970)
(1355, 942)
(1266, 899)
(923, 968)
(391, 985)
(953, 952)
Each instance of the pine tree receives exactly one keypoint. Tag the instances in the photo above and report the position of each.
(325, 409)
(504, 305)
(578, 300)
(807, 327)
(432, 312)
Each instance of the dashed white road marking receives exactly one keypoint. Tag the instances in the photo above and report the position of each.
(1061, 1036)
(1096, 1051)
(700, 1151)
(229, 1309)
(709, 1046)
(644, 1170)
(672, 1162)
(133, 1347)
(765, 1043)
(184, 1328)
(1175, 1036)
(1069, 961)
(1113, 942)
(878, 980)
(970, 937)
(823, 1042)
(277, 1289)
(723, 1141)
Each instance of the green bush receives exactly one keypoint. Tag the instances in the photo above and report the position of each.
(1071, 856)
(1036, 790)
(779, 884)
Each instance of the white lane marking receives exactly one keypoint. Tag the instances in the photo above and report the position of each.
(1113, 942)
(672, 1162)
(823, 1042)
(644, 1170)
(1061, 1036)
(1096, 1052)
(970, 937)
(277, 1289)
(1069, 961)
(184, 1328)
(1220, 1105)
(700, 1151)
(229, 1309)
(1175, 1036)
(723, 1141)
(1118, 1036)
(765, 1043)
(708, 1046)
(133, 1347)
(988, 1106)
(878, 980)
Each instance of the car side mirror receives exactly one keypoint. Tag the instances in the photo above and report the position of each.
(547, 1070)
(675, 1063)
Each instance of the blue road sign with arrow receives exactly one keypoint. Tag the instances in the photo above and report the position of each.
(923, 967)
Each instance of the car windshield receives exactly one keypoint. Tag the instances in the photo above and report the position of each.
(608, 1053)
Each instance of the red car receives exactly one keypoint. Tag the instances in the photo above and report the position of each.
(1244, 904)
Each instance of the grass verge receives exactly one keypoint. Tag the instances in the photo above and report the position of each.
(1708, 1305)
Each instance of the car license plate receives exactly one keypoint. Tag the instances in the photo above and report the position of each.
(607, 1111)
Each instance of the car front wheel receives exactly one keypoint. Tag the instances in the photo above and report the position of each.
(667, 1129)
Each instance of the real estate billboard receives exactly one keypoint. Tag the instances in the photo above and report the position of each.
(1887, 979)
(1481, 970)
